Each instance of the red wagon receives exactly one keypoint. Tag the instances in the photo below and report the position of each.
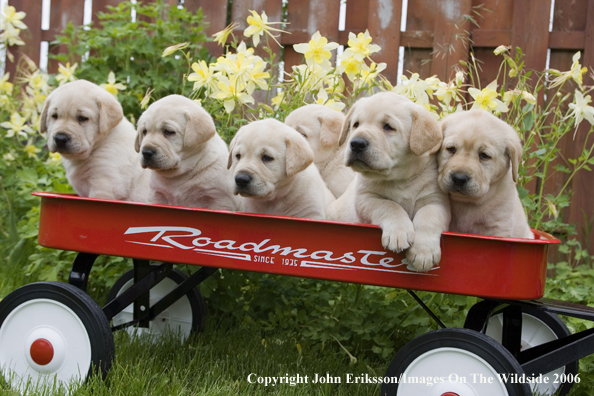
(53, 329)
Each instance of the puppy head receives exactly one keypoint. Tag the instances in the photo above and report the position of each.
(78, 115)
(321, 127)
(264, 156)
(478, 149)
(386, 133)
(171, 129)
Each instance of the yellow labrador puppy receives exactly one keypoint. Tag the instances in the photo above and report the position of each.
(273, 170)
(392, 145)
(86, 125)
(321, 127)
(478, 168)
(179, 143)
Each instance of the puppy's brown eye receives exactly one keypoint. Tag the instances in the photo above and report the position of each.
(167, 132)
(451, 150)
(81, 118)
(55, 116)
(388, 127)
(356, 124)
(484, 156)
(266, 158)
(144, 132)
(238, 156)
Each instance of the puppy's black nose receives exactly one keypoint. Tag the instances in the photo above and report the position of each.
(148, 153)
(61, 139)
(242, 179)
(459, 179)
(359, 144)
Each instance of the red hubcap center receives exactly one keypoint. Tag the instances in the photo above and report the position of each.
(42, 351)
(450, 394)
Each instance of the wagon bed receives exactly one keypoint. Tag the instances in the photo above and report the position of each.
(482, 266)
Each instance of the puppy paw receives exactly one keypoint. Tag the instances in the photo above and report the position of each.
(398, 238)
(424, 255)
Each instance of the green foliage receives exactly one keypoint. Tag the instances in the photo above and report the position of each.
(132, 50)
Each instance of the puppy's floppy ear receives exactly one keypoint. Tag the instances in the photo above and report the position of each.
(514, 151)
(346, 127)
(43, 117)
(299, 155)
(110, 112)
(199, 128)
(231, 147)
(330, 129)
(425, 135)
(139, 135)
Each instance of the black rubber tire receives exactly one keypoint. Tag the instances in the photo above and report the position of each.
(194, 297)
(469, 341)
(87, 310)
(559, 328)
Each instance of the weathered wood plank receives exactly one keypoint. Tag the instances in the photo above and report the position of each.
(215, 14)
(384, 26)
(451, 37)
(61, 14)
(532, 33)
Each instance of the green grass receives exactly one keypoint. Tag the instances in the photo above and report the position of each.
(218, 362)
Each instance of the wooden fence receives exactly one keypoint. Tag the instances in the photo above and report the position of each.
(435, 38)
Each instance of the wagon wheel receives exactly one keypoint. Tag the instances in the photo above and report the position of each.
(52, 330)
(186, 315)
(538, 327)
(449, 362)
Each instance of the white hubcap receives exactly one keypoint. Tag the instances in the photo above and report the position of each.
(450, 371)
(42, 339)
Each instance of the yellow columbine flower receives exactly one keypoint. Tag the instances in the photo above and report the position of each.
(580, 109)
(486, 99)
(111, 86)
(5, 85)
(221, 37)
(360, 46)
(31, 150)
(54, 159)
(66, 73)
(576, 72)
(11, 36)
(414, 88)
(317, 50)
(258, 25)
(323, 99)
(37, 80)
(170, 50)
(229, 91)
(203, 75)
(349, 65)
(447, 92)
(16, 126)
(278, 99)
(257, 76)
(11, 18)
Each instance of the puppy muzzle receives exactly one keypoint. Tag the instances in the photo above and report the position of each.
(62, 142)
(358, 152)
(461, 183)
